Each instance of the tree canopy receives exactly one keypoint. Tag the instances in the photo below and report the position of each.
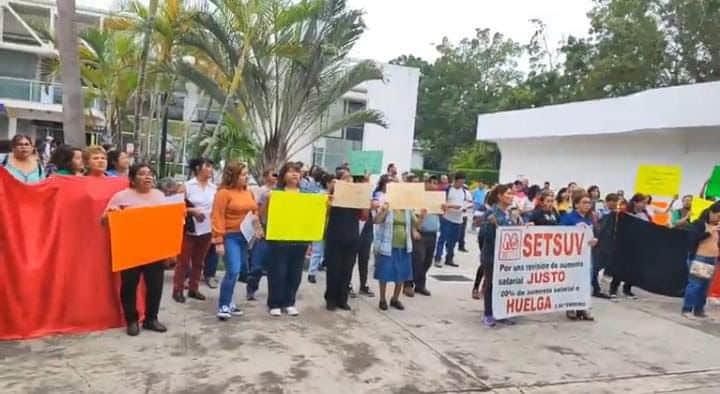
(631, 45)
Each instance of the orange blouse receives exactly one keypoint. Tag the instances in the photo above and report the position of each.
(230, 208)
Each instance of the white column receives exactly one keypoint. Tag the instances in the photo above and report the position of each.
(12, 127)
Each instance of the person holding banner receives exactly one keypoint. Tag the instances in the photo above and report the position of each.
(23, 162)
(233, 202)
(637, 207)
(582, 216)
(681, 217)
(423, 249)
(545, 214)
(67, 160)
(95, 159)
(500, 199)
(199, 195)
(285, 258)
(141, 193)
(342, 240)
(705, 238)
(394, 234)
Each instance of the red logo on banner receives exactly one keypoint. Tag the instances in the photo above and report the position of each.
(510, 245)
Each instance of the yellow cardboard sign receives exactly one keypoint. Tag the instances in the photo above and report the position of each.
(698, 206)
(296, 216)
(658, 180)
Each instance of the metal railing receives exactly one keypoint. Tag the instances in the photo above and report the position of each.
(34, 91)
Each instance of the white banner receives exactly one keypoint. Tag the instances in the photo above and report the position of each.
(541, 269)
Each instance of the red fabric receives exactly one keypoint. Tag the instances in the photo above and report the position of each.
(54, 257)
(715, 285)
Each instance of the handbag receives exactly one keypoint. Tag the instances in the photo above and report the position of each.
(701, 269)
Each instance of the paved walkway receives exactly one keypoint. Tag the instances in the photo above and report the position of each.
(437, 345)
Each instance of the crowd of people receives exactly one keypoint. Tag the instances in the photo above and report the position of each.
(405, 243)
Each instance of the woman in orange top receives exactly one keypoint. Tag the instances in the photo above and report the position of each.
(233, 202)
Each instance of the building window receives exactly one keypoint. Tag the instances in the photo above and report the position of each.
(318, 156)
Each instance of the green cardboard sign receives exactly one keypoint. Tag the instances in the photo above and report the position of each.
(713, 187)
(366, 161)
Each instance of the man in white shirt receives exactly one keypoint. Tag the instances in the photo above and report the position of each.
(451, 221)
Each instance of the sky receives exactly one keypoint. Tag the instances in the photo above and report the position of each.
(398, 27)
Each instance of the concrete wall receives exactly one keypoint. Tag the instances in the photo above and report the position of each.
(396, 97)
(611, 161)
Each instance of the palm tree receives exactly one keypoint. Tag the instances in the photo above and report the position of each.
(142, 76)
(66, 32)
(287, 68)
(109, 66)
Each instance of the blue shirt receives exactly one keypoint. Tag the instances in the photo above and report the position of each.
(431, 224)
(479, 196)
(574, 218)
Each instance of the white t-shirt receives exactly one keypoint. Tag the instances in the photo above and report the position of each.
(455, 197)
(522, 203)
(203, 199)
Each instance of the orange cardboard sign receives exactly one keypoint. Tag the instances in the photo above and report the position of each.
(144, 235)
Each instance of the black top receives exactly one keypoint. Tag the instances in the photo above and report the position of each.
(343, 224)
(543, 218)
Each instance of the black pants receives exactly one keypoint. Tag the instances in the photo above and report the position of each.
(461, 238)
(422, 256)
(339, 262)
(154, 275)
(487, 296)
(478, 277)
(364, 259)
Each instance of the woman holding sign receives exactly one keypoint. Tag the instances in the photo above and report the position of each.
(394, 234)
(285, 258)
(141, 193)
(500, 199)
(233, 202)
(704, 254)
(582, 216)
(342, 241)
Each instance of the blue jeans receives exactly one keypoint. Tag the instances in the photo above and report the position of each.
(211, 263)
(235, 262)
(285, 266)
(449, 234)
(317, 255)
(697, 288)
(258, 265)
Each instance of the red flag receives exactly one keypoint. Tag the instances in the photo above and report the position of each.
(55, 272)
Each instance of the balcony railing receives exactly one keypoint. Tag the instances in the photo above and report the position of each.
(34, 91)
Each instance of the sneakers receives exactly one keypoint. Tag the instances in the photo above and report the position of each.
(312, 279)
(275, 312)
(224, 313)
(211, 282)
(292, 311)
(365, 290)
(489, 321)
(507, 322)
(235, 311)
(451, 264)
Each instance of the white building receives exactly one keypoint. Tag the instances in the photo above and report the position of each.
(30, 100)
(396, 98)
(603, 141)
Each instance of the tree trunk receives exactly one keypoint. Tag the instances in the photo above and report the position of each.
(142, 77)
(67, 38)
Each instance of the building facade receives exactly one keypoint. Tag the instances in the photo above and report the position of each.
(602, 142)
(30, 95)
